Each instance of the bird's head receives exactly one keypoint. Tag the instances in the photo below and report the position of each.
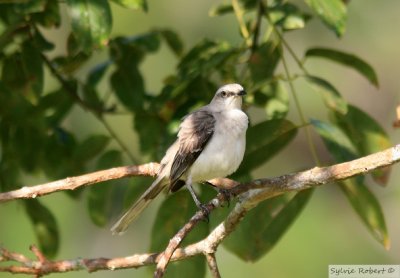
(229, 97)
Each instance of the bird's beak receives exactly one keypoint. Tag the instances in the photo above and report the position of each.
(242, 93)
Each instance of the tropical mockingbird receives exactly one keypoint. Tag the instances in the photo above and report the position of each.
(211, 143)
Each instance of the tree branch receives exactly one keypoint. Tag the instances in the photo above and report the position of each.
(176, 240)
(251, 194)
(72, 183)
(212, 265)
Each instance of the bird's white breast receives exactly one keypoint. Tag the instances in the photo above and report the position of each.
(225, 150)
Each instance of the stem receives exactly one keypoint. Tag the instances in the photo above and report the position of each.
(117, 139)
(310, 141)
(303, 120)
(212, 265)
(242, 24)
(282, 39)
(257, 26)
(289, 48)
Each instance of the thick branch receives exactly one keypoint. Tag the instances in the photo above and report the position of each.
(289, 182)
(251, 194)
(320, 175)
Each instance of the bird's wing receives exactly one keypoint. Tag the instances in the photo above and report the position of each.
(195, 132)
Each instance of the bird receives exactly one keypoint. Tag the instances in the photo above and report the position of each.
(210, 144)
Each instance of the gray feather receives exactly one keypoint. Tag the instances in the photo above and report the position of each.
(195, 132)
(136, 209)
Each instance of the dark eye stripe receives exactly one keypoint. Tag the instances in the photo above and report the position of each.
(226, 94)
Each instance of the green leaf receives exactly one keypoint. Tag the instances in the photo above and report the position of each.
(41, 42)
(128, 85)
(150, 129)
(91, 97)
(367, 135)
(264, 60)
(91, 147)
(333, 13)
(91, 22)
(249, 4)
(363, 201)
(149, 42)
(29, 143)
(33, 67)
(125, 52)
(62, 144)
(288, 16)
(264, 140)
(56, 106)
(69, 64)
(332, 97)
(346, 59)
(173, 213)
(368, 208)
(273, 98)
(336, 141)
(45, 226)
(98, 198)
(50, 16)
(133, 4)
(221, 9)
(23, 72)
(272, 217)
(33, 6)
(205, 58)
(74, 59)
(173, 40)
(97, 73)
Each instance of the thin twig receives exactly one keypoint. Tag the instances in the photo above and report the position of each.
(257, 26)
(243, 28)
(69, 89)
(291, 86)
(173, 244)
(300, 111)
(282, 38)
(39, 255)
(212, 265)
(117, 139)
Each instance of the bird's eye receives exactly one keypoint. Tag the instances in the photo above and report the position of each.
(224, 94)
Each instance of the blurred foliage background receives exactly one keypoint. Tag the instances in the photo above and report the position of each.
(326, 232)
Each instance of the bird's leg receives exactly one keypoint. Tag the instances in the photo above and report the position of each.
(196, 199)
(194, 195)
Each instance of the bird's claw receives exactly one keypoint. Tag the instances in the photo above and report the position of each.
(227, 195)
(206, 212)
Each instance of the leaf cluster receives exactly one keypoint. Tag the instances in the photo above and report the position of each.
(35, 138)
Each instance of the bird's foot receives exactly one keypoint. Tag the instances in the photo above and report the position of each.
(200, 205)
(227, 195)
(206, 212)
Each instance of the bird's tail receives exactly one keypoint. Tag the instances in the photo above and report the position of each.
(136, 209)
